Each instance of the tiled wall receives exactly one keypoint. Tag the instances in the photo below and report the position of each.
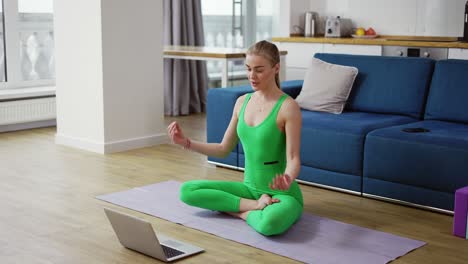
(398, 17)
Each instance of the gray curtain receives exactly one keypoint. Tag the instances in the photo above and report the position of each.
(185, 81)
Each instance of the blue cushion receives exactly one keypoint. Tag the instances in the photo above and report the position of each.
(220, 104)
(435, 160)
(336, 142)
(292, 88)
(448, 94)
(391, 85)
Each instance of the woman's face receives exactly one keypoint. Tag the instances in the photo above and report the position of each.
(260, 72)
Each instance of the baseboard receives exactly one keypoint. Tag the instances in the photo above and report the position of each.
(135, 143)
(424, 207)
(28, 125)
(113, 146)
(219, 164)
(328, 187)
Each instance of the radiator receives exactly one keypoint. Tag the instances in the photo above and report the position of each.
(27, 110)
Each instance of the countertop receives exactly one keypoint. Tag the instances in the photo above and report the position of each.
(207, 52)
(408, 41)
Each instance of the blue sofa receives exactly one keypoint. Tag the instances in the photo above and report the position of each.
(364, 150)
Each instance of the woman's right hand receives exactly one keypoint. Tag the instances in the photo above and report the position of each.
(175, 133)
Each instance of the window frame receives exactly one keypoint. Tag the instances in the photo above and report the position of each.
(250, 22)
(12, 47)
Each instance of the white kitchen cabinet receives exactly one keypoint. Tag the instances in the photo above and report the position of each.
(299, 57)
(300, 54)
(456, 53)
(295, 73)
(352, 49)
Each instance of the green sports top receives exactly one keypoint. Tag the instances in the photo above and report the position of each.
(265, 151)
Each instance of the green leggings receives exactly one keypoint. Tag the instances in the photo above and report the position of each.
(225, 197)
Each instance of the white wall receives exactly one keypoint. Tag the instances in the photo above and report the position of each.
(35, 6)
(78, 60)
(287, 14)
(297, 12)
(282, 24)
(109, 74)
(133, 66)
(395, 17)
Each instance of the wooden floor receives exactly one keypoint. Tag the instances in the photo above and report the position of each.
(49, 213)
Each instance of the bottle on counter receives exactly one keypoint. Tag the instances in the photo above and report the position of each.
(309, 24)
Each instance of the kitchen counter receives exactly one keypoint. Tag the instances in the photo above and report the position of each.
(213, 53)
(207, 52)
(409, 41)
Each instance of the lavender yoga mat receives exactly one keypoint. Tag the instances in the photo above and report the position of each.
(313, 239)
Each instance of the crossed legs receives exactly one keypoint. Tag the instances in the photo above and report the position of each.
(267, 215)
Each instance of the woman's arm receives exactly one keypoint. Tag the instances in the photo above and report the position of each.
(292, 127)
(210, 149)
(222, 149)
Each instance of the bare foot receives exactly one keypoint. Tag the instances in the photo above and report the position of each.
(249, 205)
(242, 215)
(265, 200)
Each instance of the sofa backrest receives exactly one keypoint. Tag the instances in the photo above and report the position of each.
(389, 85)
(448, 94)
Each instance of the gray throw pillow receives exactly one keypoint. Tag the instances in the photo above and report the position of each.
(326, 87)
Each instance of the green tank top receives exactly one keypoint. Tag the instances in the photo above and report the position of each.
(265, 151)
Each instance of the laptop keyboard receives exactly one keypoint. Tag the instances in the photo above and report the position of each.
(171, 252)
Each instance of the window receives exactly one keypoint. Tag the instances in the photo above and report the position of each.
(235, 24)
(264, 19)
(227, 23)
(28, 44)
(2, 45)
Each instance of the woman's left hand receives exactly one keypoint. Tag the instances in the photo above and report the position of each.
(281, 182)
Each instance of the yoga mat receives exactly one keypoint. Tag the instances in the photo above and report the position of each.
(313, 239)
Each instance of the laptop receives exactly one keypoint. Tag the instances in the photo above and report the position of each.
(137, 234)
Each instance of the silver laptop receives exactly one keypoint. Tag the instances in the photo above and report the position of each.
(137, 234)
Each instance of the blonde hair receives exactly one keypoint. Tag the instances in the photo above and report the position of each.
(268, 51)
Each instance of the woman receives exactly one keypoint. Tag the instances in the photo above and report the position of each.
(268, 123)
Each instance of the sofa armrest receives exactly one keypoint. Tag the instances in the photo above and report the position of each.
(219, 107)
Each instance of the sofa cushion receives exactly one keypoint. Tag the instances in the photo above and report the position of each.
(336, 142)
(435, 160)
(326, 87)
(391, 85)
(448, 93)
